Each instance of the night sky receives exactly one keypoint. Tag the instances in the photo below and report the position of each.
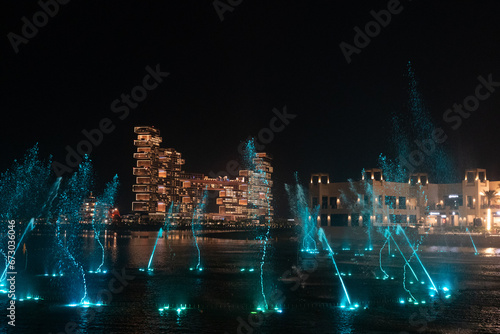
(227, 76)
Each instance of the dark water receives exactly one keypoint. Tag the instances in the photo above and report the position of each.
(222, 298)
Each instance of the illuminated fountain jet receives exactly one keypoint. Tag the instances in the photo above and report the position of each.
(305, 215)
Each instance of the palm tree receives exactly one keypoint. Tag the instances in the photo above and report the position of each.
(491, 195)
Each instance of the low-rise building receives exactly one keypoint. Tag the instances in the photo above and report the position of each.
(376, 202)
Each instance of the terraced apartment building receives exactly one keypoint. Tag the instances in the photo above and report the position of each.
(161, 181)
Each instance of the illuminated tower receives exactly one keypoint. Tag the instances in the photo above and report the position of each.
(157, 173)
(260, 184)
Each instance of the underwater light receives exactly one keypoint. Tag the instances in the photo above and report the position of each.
(401, 301)
(446, 289)
(242, 269)
(251, 269)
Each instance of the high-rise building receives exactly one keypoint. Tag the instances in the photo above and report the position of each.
(260, 184)
(160, 182)
(157, 173)
(87, 210)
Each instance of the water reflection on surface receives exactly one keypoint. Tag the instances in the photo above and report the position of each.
(222, 297)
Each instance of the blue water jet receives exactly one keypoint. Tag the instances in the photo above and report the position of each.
(322, 236)
(473, 244)
(160, 232)
(380, 257)
(306, 217)
(12, 258)
(418, 258)
(257, 178)
(404, 258)
(196, 223)
(102, 209)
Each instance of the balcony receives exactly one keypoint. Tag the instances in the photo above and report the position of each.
(141, 188)
(143, 180)
(141, 155)
(140, 206)
(146, 130)
(142, 143)
(142, 197)
(141, 171)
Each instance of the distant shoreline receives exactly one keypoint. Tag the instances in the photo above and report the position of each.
(338, 235)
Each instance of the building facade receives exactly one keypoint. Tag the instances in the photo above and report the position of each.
(161, 181)
(157, 173)
(376, 202)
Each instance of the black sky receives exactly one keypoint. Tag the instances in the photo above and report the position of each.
(226, 78)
